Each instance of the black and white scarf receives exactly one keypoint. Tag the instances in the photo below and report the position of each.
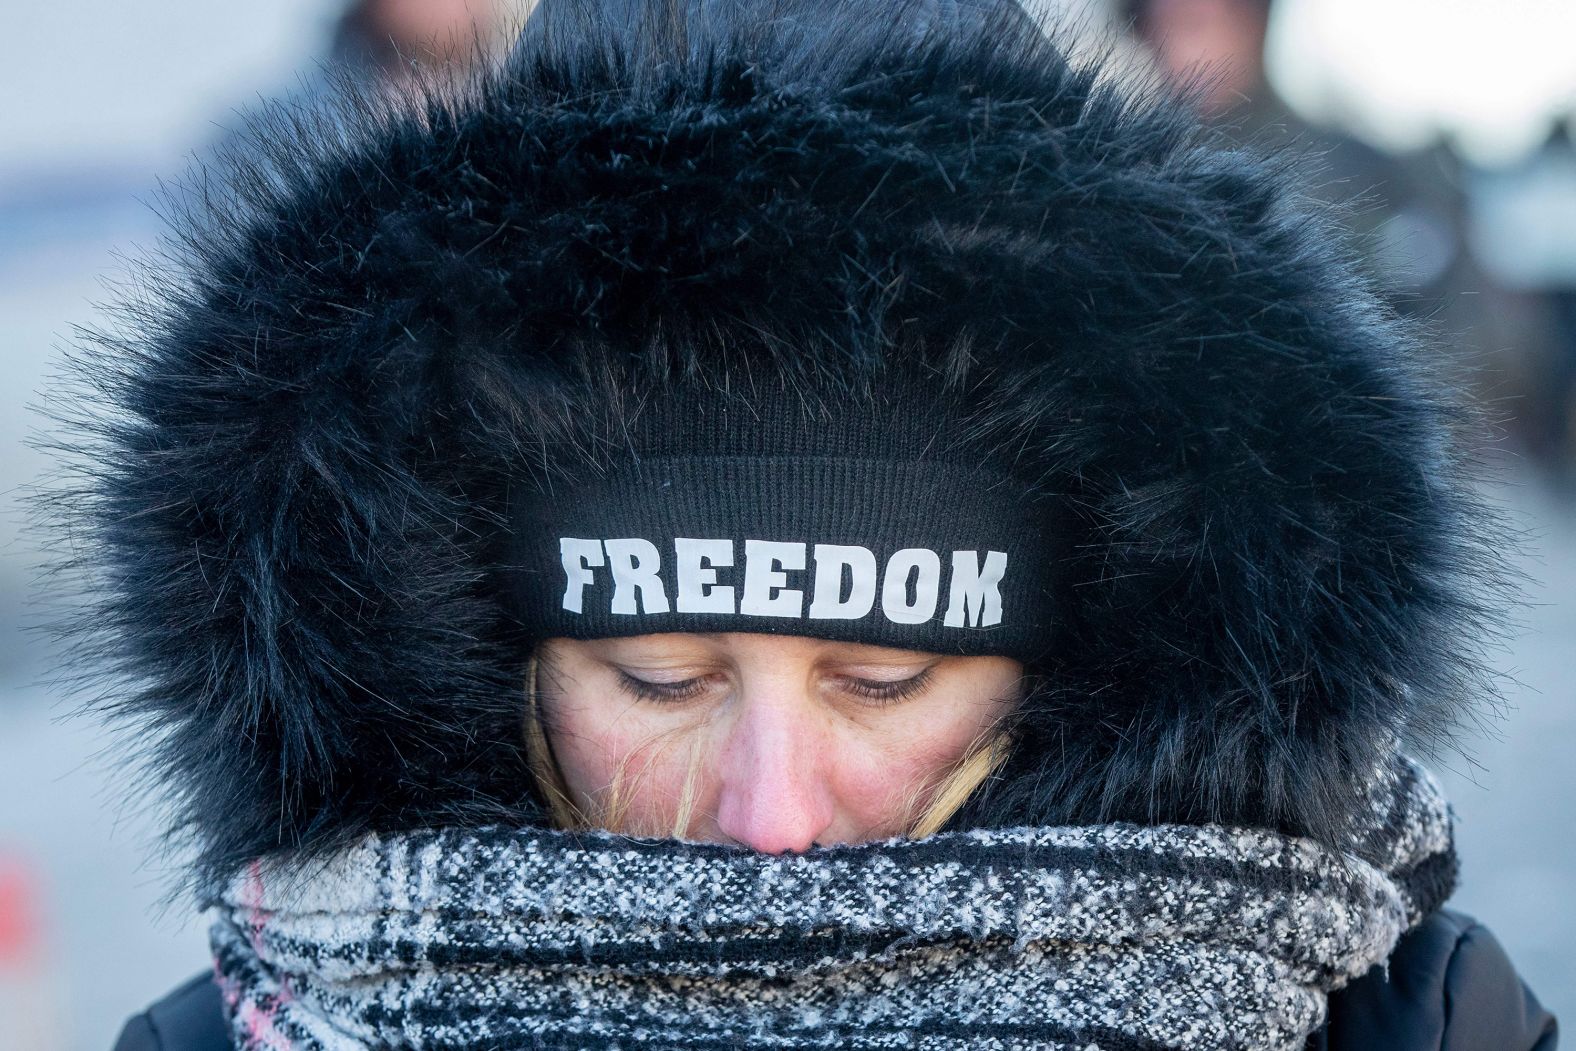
(1115, 937)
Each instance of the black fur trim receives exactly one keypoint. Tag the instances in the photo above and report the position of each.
(297, 449)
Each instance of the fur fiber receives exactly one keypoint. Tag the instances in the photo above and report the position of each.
(295, 450)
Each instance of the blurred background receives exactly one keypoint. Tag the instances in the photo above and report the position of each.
(1452, 120)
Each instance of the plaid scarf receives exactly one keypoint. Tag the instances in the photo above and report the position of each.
(1116, 937)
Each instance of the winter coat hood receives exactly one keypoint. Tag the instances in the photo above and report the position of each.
(382, 317)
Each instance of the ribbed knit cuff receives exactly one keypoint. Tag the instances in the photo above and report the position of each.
(922, 555)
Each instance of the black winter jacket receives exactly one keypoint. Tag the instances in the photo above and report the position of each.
(1450, 987)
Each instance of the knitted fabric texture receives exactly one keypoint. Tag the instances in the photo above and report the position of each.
(1114, 937)
(891, 503)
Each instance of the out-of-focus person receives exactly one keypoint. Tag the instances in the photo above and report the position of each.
(389, 39)
(1410, 225)
(380, 46)
(1410, 231)
(387, 45)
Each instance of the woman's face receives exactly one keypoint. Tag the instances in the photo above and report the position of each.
(790, 741)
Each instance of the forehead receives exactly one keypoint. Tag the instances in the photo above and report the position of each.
(738, 644)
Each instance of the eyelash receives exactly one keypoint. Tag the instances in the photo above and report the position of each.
(877, 693)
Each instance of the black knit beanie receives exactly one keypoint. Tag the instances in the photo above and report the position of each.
(891, 518)
(872, 520)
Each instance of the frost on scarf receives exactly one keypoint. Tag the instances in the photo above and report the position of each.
(1112, 937)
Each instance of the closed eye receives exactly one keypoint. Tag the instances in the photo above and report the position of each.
(875, 691)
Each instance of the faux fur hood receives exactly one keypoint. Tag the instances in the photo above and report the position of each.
(298, 444)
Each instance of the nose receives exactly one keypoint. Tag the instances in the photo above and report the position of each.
(774, 795)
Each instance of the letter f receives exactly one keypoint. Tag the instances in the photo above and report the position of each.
(578, 556)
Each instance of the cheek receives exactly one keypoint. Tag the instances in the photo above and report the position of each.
(878, 775)
(595, 748)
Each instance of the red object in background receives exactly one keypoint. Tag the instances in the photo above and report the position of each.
(19, 927)
(30, 1000)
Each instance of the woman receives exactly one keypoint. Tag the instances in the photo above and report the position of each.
(794, 525)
